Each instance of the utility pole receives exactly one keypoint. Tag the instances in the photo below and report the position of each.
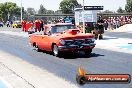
(83, 18)
(8, 15)
(21, 10)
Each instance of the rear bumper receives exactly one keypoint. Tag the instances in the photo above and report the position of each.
(77, 47)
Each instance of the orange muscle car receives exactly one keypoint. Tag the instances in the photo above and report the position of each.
(61, 38)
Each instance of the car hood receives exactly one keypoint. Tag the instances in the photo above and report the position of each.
(73, 34)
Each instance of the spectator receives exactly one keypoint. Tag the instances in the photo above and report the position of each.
(24, 25)
(8, 23)
(31, 30)
(101, 28)
(11, 22)
(105, 24)
(41, 25)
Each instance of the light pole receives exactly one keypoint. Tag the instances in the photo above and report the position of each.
(8, 15)
(21, 10)
(83, 18)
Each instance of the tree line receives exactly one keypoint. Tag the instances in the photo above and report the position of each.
(9, 9)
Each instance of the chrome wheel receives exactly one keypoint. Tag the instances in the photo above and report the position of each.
(55, 50)
(37, 48)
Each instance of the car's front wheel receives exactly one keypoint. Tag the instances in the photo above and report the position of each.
(55, 50)
(88, 52)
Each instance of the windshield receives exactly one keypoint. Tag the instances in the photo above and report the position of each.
(61, 28)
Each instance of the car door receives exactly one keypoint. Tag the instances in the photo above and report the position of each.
(38, 39)
(42, 42)
(45, 39)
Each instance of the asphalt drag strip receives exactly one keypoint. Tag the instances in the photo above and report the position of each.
(23, 61)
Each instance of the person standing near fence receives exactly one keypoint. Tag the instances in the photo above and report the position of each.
(41, 25)
(23, 25)
(35, 24)
(101, 28)
(105, 24)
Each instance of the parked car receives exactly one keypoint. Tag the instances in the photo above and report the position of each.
(16, 24)
(62, 38)
(1, 24)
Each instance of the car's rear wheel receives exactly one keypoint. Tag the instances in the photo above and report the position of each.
(36, 47)
(55, 50)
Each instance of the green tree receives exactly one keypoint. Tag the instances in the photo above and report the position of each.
(67, 6)
(0, 13)
(42, 10)
(120, 10)
(8, 10)
(128, 6)
(107, 11)
(31, 11)
(49, 12)
(58, 12)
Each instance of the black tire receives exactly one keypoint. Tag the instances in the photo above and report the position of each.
(37, 48)
(88, 52)
(56, 51)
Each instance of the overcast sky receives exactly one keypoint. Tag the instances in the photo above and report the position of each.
(112, 5)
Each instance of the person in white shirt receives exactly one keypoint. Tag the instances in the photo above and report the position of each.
(31, 30)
